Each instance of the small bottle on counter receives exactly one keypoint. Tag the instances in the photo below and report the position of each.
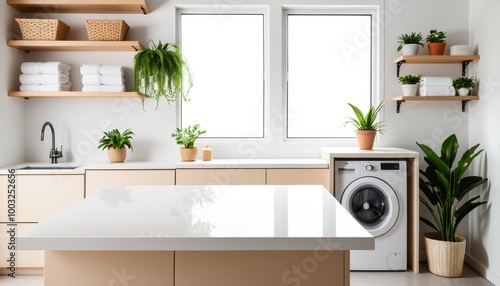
(207, 153)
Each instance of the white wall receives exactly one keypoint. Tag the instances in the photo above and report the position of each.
(78, 121)
(12, 116)
(484, 230)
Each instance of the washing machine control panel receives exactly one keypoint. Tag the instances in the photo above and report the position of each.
(369, 168)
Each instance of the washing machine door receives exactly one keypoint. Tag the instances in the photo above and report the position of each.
(373, 203)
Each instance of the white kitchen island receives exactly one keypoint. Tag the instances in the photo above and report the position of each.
(199, 235)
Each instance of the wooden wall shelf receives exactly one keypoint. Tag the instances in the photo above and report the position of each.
(427, 59)
(74, 94)
(59, 46)
(464, 99)
(81, 6)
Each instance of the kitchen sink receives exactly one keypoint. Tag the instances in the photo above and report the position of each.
(48, 168)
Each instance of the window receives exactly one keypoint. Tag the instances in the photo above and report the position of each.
(329, 63)
(226, 56)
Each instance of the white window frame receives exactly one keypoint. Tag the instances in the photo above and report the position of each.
(275, 67)
(376, 55)
(235, 10)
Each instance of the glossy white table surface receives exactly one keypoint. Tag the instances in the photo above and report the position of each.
(201, 218)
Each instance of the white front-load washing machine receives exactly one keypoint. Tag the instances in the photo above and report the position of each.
(374, 193)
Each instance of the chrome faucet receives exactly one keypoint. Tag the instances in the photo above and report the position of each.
(54, 154)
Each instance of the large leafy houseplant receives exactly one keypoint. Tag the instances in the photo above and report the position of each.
(162, 72)
(444, 186)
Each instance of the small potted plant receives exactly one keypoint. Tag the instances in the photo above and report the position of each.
(435, 42)
(443, 187)
(161, 72)
(366, 125)
(186, 137)
(409, 84)
(409, 43)
(115, 142)
(464, 85)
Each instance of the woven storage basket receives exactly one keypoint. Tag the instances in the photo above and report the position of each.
(444, 258)
(106, 30)
(43, 29)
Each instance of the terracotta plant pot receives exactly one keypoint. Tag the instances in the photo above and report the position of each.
(436, 49)
(366, 139)
(444, 258)
(117, 155)
(188, 154)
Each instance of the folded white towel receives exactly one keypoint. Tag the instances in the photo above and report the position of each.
(30, 67)
(43, 79)
(45, 68)
(89, 69)
(436, 81)
(101, 69)
(436, 90)
(54, 68)
(45, 87)
(103, 88)
(92, 79)
(111, 70)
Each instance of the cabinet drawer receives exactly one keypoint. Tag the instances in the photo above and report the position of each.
(221, 177)
(95, 180)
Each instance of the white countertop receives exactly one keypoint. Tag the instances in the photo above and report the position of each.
(201, 218)
(376, 152)
(168, 165)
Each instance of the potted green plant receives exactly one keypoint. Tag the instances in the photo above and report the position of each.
(464, 85)
(161, 72)
(186, 137)
(436, 42)
(115, 142)
(409, 43)
(409, 84)
(443, 187)
(366, 125)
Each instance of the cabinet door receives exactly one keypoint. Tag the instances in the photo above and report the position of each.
(23, 258)
(298, 177)
(95, 180)
(262, 268)
(220, 177)
(39, 196)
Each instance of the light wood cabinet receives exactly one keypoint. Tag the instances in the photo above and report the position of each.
(26, 260)
(298, 177)
(95, 180)
(36, 197)
(39, 196)
(220, 177)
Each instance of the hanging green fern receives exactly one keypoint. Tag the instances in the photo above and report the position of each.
(161, 71)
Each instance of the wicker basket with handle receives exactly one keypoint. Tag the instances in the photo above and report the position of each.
(106, 30)
(43, 29)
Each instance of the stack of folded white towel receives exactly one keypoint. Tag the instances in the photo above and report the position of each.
(102, 78)
(48, 76)
(435, 86)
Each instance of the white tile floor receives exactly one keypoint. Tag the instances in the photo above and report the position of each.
(408, 278)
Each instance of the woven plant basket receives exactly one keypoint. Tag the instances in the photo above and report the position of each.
(106, 30)
(444, 258)
(43, 29)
